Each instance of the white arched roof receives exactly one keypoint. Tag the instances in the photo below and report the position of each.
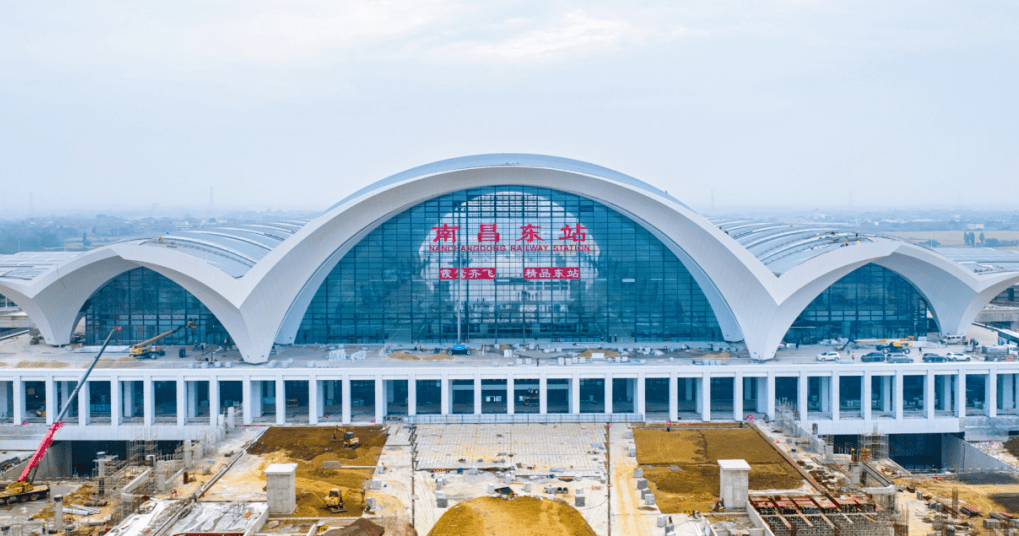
(259, 280)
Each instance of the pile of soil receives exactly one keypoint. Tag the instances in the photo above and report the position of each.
(404, 356)
(695, 452)
(310, 448)
(1012, 446)
(987, 497)
(523, 516)
(41, 364)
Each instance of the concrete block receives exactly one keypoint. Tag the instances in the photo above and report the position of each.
(440, 500)
(580, 500)
(370, 503)
(662, 520)
(509, 479)
(734, 483)
(642, 483)
(638, 472)
(527, 487)
(632, 452)
(376, 484)
(281, 488)
(650, 499)
(472, 471)
(491, 488)
(629, 434)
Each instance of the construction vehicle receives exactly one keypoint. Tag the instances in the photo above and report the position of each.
(145, 349)
(334, 501)
(531, 398)
(350, 441)
(22, 489)
(36, 339)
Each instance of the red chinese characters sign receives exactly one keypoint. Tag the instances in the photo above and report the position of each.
(553, 272)
(447, 274)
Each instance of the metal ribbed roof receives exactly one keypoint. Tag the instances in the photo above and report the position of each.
(234, 248)
(783, 246)
(983, 260)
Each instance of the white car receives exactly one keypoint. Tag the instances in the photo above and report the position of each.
(956, 356)
(829, 356)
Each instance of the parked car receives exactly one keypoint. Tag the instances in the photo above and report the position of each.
(872, 357)
(898, 358)
(956, 356)
(828, 356)
(892, 349)
(934, 358)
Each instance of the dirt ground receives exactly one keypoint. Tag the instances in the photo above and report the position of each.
(1012, 446)
(1000, 494)
(523, 516)
(681, 466)
(310, 447)
(404, 356)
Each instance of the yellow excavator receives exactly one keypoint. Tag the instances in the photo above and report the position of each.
(350, 441)
(334, 501)
(145, 349)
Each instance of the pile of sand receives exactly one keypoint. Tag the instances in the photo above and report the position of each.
(608, 353)
(695, 452)
(404, 356)
(310, 448)
(41, 364)
(1012, 446)
(523, 516)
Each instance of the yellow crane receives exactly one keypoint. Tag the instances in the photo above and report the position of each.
(146, 349)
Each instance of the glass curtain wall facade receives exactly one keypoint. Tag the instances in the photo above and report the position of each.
(144, 304)
(871, 302)
(505, 263)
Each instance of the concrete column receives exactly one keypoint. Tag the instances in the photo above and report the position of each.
(575, 394)
(192, 387)
(608, 394)
(991, 393)
(313, 401)
(412, 397)
(345, 387)
(5, 392)
(836, 395)
(1008, 391)
(886, 393)
(247, 404)
(510, 396)
(18, 411)
(673, 397)
(825, 396)
(688, 389)
(257, 396)
(477, 395)
(770, 400)
(116, 400)
(214, 401)
(706, 397)
(762, 395)
(84, 404)
(330, 391)
(444, 398)
(960, 394)
(543, 395)
(801, 396)
(51, 388)
(899, 401)
(380, 399)
(127, 395)
(928, 394)
(640, 404)
(182, 402)
(737, 398)
(281, 401)
(321, 399)
(867, 395)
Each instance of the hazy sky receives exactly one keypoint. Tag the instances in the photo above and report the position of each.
(296, 104)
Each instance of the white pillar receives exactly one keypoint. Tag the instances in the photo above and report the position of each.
(836, 395)
(802, 385)
(960, 394)
(640, 402)
(762, 395)
(281, 401)
(321, 399)
(886, 393)
(380, 399)
(608, 394)
(313, 401)
(673, 398)
(84, 404)
(345, 394)
(865, 397)
(330, 389)
(1008, 391)
(116, 400)
(575, 394)
(825, 395)
(688, 389)
(214, 408)
(50, 402)
(182, 402)
(991, 393)
(148, 402)
(543, 395)
(737, 398)
(192, 387)
(770, 401)
(18, 411)
(444, 398)
(928, 394)
(5, 392)
(706, 397)
(511, 399)
(477, 395)
(412, 397)
(247, 403)
(127, 395)
(899, 400)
